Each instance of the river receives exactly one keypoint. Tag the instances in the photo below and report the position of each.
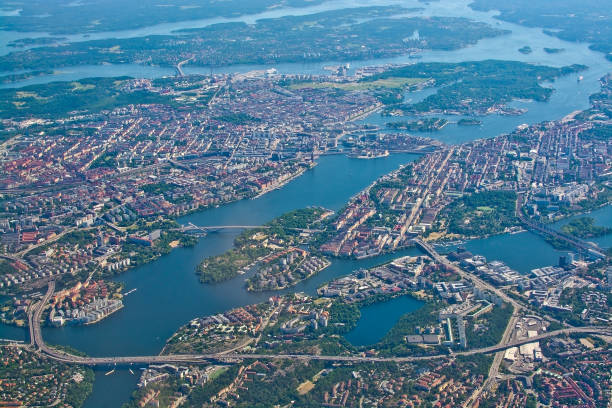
(570, 94)
(168, 292)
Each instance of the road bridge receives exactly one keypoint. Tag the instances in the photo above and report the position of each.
(207, 228)
(35, 313)
(587, 248)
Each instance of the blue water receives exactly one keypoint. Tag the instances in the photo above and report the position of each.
(169, 293)
(377, 319)
(603, 217)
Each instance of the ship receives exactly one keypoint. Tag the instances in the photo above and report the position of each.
(369, 154)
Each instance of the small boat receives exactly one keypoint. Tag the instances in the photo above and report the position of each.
(130, 291)
(110, 372)
(369, 154)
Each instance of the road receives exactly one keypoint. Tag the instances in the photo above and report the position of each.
(37, 341)
(179, 66)
(478, 283)
(35, 314)
(586, 247)
(481, 284)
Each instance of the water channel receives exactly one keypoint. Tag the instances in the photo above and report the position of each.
(168, 292)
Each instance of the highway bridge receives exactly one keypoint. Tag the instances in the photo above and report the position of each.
(207, 228)
(587, 248)
(35, 313)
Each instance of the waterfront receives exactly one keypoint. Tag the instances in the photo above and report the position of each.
(169, 293)
(570, 95)
(377, 319)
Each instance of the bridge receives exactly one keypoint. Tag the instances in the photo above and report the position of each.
(587, 248)
(207, 228)
(584, 247)
(478, 283)
(37, 342)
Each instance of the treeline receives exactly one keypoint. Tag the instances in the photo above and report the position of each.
(495, 322)
(585, 227)
(57, 99)
(482, 213)
(483, 83)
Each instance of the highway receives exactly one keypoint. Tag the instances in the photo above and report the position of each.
(35, 314)
(478, 283)
(37, 341)
(179, 66)
(585, 247)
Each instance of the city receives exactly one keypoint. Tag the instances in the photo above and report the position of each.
(343, 207)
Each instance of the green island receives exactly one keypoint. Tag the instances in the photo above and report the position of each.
(10, 78)
(585, 227)
(29, 42)
(272, 252)
(421, 125)
(553, 50)
(478, 88)
(335, 35)
(469, 122)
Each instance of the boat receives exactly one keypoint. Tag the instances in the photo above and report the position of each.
(130, 291)
(369, 154)
(580, 78)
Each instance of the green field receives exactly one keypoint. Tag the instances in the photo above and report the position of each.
(391, 83)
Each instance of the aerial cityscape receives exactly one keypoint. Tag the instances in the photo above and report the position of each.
(306, 203)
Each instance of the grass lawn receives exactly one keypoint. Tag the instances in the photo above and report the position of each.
(392, 83)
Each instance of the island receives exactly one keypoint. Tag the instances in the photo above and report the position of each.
(553, 50)
(272, 254)
(421, 125)
(474, 88)
(570, 20)
(469, 122)
(585, 227)
(337, 35)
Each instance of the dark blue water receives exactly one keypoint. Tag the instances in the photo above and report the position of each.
(522, 252)
(377, 319)
(168, 291)
(603, 217)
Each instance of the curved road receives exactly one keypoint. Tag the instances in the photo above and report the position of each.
(35, 313)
